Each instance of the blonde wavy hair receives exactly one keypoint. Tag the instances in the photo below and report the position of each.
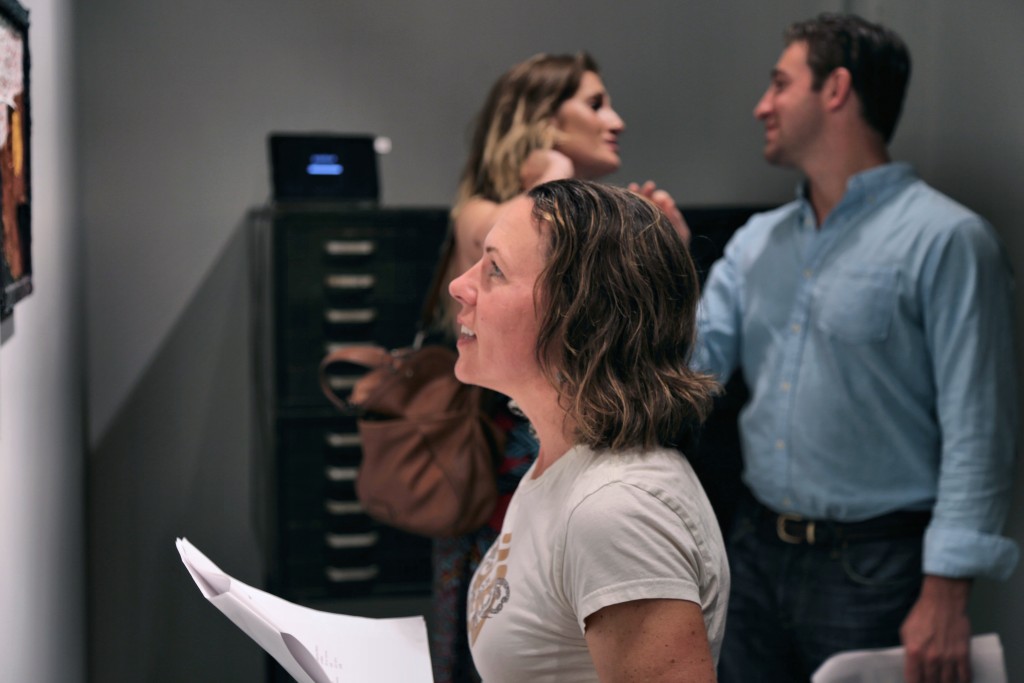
(515, 121)
(618, 296)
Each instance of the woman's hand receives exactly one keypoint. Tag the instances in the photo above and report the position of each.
(543, 165)
(664, 202)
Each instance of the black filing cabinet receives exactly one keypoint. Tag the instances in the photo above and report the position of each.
(327, 275)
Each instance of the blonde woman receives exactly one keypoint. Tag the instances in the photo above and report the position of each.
(547, 118)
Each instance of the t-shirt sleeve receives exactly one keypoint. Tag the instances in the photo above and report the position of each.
(623, 544)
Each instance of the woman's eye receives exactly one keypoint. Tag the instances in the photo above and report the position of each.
(597, 103)
(493, 270)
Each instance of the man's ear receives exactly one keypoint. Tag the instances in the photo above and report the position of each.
(837, 89)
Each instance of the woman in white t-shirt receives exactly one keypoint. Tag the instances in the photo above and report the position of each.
(610, 565)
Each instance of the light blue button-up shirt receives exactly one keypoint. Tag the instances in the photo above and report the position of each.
(879, 354)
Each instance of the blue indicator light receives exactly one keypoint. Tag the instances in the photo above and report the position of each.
(325, 169)
(324, 164)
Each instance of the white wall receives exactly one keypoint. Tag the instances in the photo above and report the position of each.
(42, 447)
(175, 101)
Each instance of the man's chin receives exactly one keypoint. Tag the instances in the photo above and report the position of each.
(775, 157)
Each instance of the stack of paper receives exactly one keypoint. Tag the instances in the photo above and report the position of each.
(315, 646)
(886, 665)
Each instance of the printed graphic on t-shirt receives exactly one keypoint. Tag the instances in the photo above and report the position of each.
(490, 590)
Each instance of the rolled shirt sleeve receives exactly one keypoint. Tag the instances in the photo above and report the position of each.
(968, 293)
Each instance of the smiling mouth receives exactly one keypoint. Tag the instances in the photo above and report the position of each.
(466, 332)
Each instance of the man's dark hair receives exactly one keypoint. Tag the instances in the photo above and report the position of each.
(877, 59)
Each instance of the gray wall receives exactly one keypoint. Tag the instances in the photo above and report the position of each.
(42, 362)
(175, 101)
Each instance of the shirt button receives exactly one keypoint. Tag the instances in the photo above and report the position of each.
(808, 273)
(784, 386)
(796, 328)
(780, 444)
(786, 502)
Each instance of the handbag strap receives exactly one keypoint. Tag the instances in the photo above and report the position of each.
(367, 356)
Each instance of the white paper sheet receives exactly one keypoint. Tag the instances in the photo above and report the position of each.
(886, 665)
(315, 646)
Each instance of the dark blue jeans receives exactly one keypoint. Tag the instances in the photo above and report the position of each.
(793, 606)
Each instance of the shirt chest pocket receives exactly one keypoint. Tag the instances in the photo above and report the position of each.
(856, 303)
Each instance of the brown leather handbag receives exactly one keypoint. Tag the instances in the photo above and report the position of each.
(429, 449)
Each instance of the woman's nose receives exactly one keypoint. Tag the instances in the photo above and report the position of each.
(460, 287)
(615, 121)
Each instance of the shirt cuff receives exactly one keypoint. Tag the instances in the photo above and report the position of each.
(965, 553)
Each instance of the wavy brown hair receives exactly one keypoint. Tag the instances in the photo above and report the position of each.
(619, 295)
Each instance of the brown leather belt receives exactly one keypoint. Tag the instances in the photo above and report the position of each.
(794, 529)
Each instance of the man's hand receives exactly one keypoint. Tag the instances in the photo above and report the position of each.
(664, 201)
(937, 633)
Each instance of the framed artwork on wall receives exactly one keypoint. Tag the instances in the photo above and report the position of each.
(15, 167)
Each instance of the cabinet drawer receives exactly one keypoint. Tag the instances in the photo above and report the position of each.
(346, 278)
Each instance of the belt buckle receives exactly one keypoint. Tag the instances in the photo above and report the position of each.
(786, 537)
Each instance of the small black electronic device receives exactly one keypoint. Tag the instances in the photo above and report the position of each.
(323, 167)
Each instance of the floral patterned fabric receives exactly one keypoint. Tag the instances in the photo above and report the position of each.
(456, 559)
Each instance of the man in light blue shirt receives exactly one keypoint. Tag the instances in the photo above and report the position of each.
(872, 319)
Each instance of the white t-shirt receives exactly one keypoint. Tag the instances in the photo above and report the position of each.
(596, 529)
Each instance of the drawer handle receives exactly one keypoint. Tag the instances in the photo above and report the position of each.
(336, 440)
(342, 382)
(344, 507)
(339, 541)
(338, 575)
(350, 247)
(350, 281)
(342, 473)
(334, 346)
(343, 316)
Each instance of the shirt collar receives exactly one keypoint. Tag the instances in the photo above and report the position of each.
(869, 185)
